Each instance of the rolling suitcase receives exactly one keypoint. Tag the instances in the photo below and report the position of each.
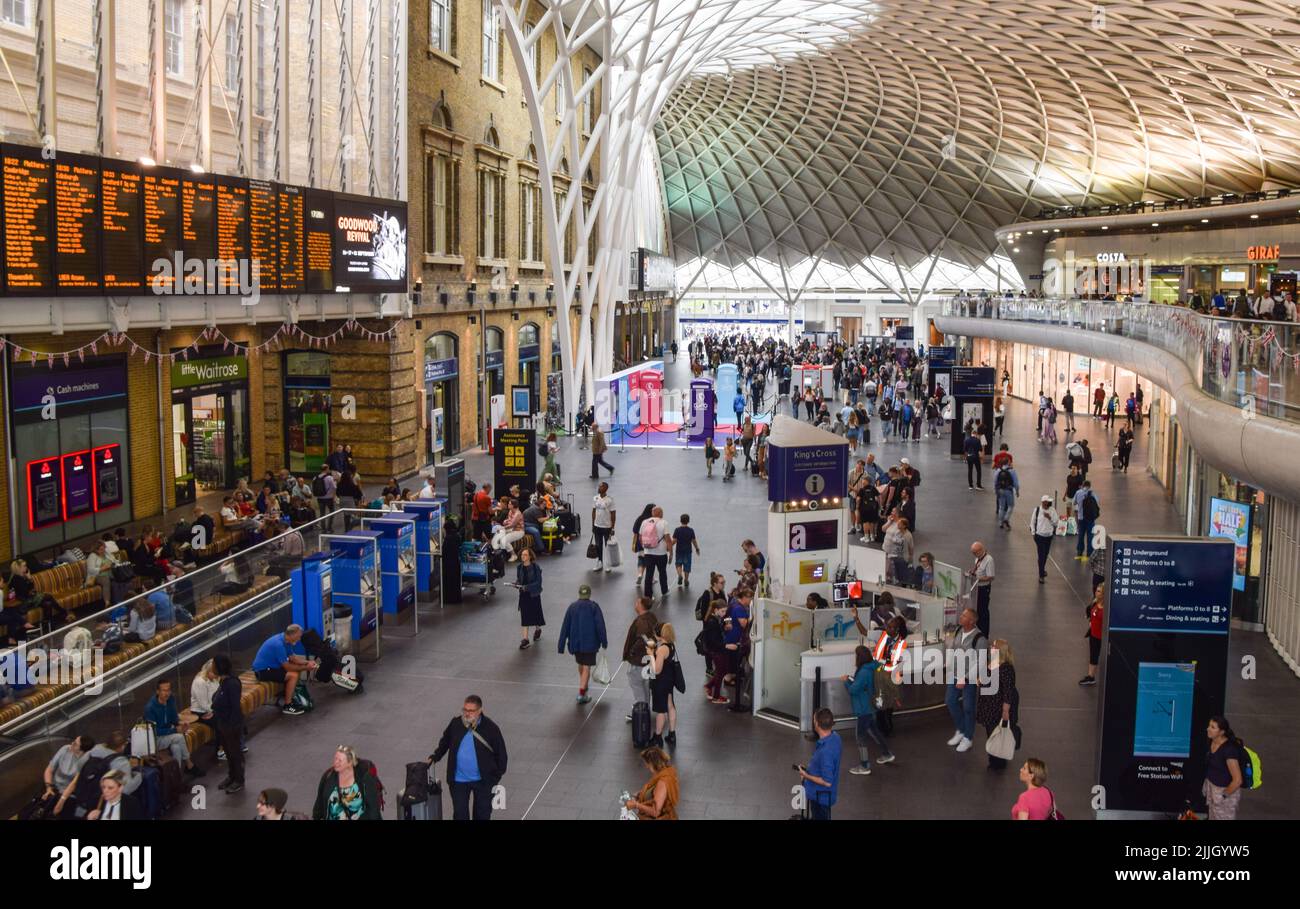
(421, 797)
(642, 729)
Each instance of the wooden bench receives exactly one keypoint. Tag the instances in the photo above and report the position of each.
(208, 607)
(222, 542)
(254, 694)
(67, 584)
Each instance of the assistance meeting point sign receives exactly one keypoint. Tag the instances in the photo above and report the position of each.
(514, 460)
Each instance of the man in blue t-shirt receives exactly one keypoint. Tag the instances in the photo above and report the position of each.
(821, 778)
(683, 543)
(738, 405)
(282, 658)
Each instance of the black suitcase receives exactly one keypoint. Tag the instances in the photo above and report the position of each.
(642, 728)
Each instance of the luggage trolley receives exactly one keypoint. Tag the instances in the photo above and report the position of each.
(481, 564)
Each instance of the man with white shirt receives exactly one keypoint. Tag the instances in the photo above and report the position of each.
(602, 523)
(427, 492)
(1042, 524)
(965, 655)
(656, 546)
(981, 574)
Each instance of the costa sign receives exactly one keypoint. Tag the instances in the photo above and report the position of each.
(1258, 253)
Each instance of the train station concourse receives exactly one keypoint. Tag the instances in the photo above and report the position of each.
(705, 410)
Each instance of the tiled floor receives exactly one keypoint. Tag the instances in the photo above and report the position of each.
(572, 762)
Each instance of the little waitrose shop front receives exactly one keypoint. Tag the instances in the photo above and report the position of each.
(210, 435)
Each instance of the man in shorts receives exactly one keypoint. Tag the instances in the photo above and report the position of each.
(584, 631)
(282, 659)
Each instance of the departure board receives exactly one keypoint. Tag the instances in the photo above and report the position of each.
(77, 224)
(199, 225)
(120, 201)
(292, 240)
(81, 224)
(162, 227)
(320, 242)
(263, 233)
(232, 230)
(28, 181)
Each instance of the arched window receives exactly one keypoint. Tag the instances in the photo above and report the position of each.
(495, 339)
(491, 138)
(528, 334)
(441, 346)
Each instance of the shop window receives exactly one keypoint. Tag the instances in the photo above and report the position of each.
(442, 393)
(307, 405)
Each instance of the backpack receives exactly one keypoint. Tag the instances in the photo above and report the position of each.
(1003, 480)
(1074, 450)
(87, 791)
(1252, 773)
(318, 487)
(649, 534)
(1091, 510)
(541, 448)
(1279, 310)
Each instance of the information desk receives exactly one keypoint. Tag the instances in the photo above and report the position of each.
(791, 643)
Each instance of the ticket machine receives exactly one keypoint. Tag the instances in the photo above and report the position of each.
(428, 546)
(700, 410)
(312, 589)
(396, 563)
(355, 577)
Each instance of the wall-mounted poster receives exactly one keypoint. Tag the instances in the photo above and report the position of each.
(521, 401)
(439, 430)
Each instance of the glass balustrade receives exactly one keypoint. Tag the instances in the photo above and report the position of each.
(1242, 362)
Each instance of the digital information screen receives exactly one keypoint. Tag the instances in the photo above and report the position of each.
(78, 499)
(44, 493)
(263, 234)
(320, 242)
(162, 227)
(27, 182)
(1163, 724)
(813, 536)
(199, 226)
(81, 224)
(369, 244)
(293, 239)
(1170, 585)
(120, 190)
(232, 231)
(77, 224)
(973, 381)
(107, 461)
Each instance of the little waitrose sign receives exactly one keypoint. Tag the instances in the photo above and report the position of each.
(186, 373)
(1260, 253)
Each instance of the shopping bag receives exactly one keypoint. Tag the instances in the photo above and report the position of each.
(613, 558)
(601, 670)
(593, 550)
(1002, 742)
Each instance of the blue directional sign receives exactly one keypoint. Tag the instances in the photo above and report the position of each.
(1171, 585)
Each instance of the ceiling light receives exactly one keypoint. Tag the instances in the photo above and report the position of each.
(197, 168)
(1205, 220)
(1155, 223)
(1104, 227)
(1254, 217)
(1017, 249)
(147, 161)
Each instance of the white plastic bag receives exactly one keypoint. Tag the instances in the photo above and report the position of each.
(601, 670)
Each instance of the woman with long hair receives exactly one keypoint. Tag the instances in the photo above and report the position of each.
(664, 653)
(528, 578)
(636, 540)
(657, 800)
(862, 692)
(1223, 777)
(1002, 705)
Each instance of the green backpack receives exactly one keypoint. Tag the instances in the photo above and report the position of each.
(1252, 772)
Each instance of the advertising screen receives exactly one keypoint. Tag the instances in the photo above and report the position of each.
(1231, 521)
(369, 244)
(78, 493)
(44, 493)
(1163, 722)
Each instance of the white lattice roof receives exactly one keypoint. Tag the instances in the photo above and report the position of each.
(897, 131)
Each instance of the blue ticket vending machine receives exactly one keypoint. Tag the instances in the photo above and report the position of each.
(356, 583)
(396, 561)
(428, 540)
(313, 601)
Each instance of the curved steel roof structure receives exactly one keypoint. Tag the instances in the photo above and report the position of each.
(923, 126)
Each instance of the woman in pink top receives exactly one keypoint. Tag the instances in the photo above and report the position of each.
(1035, 803)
